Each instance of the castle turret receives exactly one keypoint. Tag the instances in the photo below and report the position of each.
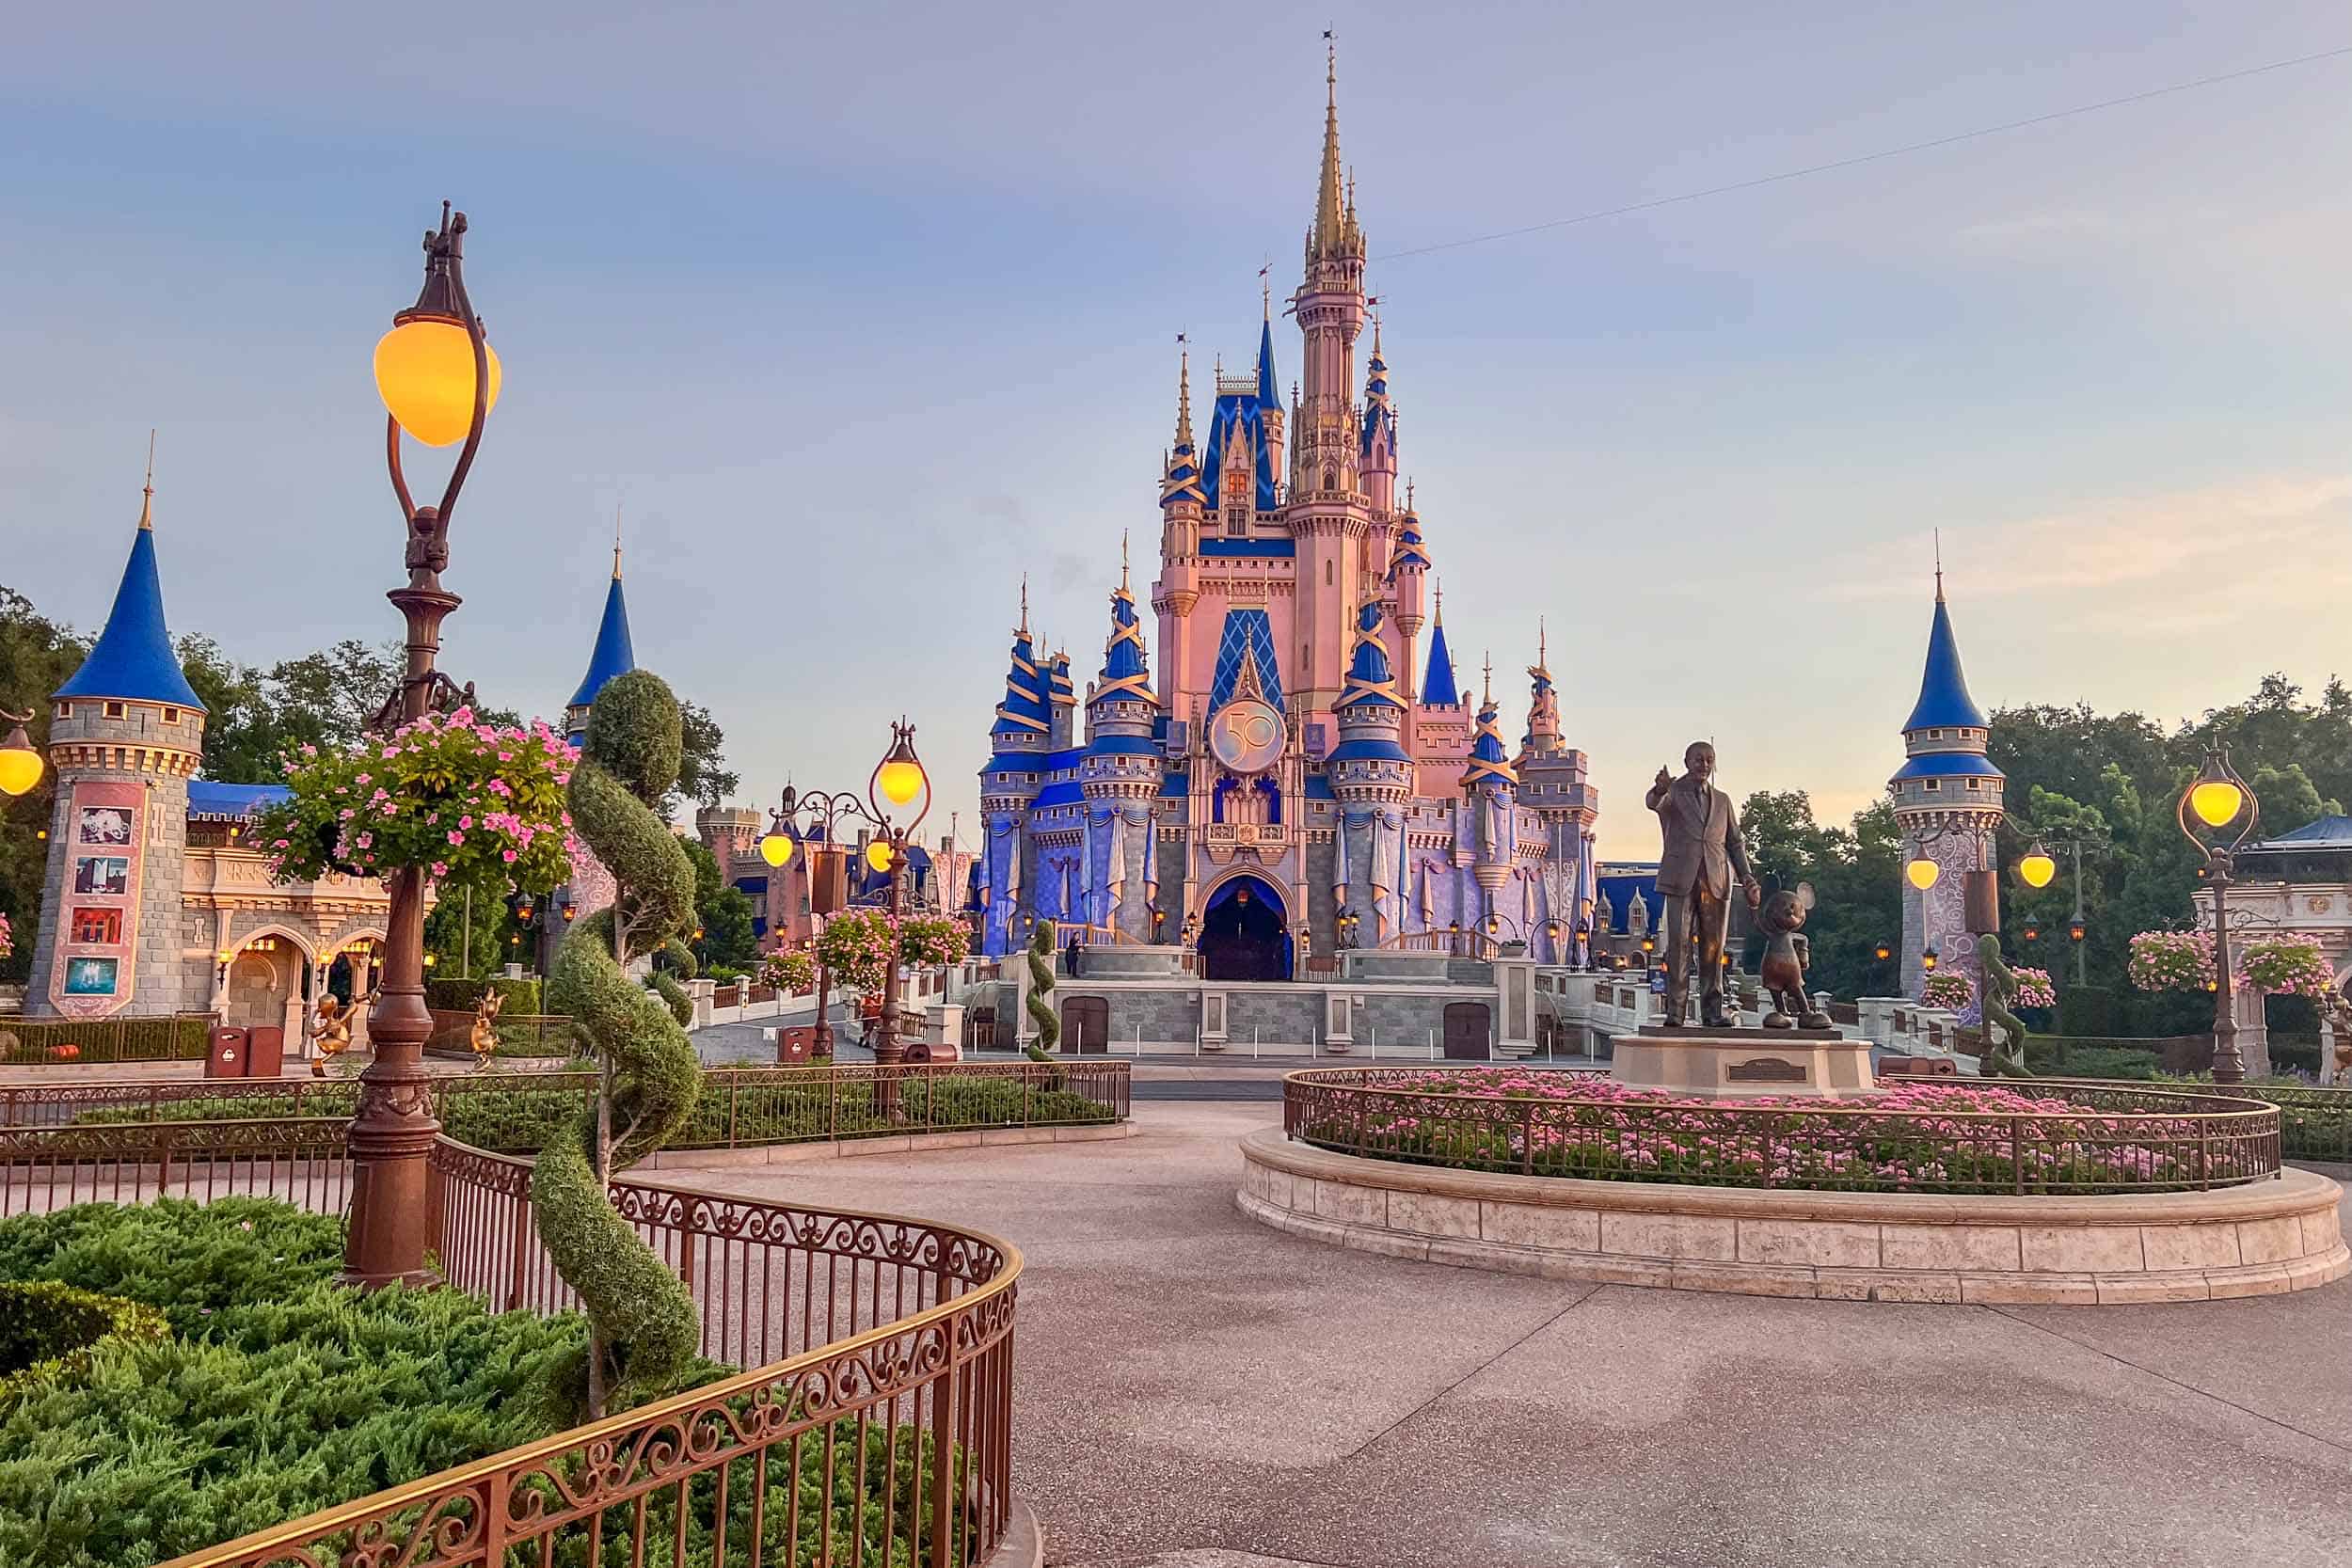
(1371, 778)
(1438, 688)
(1269, 396)
(1555, 783)
(1408, 574)
(125, 734)
(612, 655)
(1947, 798)
(1009, 783)
(1376, 459)
(1183, 510)
(1491, 788)
(1121, 777)
(1061, 695)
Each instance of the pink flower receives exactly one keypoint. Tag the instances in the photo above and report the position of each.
(510, 857)
(441, 868)
(456, 838)
(465, 822)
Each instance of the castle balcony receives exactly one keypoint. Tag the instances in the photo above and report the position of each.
(230, 879)
(1246, 836)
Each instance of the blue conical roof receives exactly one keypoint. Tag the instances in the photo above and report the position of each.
(1268, 396)
(1124, 671)
(1943, 700)
(1023, 711)
(1436, 686)
(1371, 680)
(612, 655)
(132, 660)
(1487, 759)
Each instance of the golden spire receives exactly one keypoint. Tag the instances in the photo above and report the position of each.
(1123, 561)
(616, 541)
(1023, 630)
(1939, 565)
(1184, 396)
(147, 494)
(1487, 696)
(1408, 494)
(1331, 220)
(1542, 654)
(1440, 586)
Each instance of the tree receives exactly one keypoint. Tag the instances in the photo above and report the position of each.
(701, 776)
(724, 912)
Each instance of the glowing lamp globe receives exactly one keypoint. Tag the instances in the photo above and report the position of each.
(425, 374)
(2216, 802)
(878, 855)
(776, 849)
(1922, 873)
(2037, 868)
(1882, 951)
(20, 766)
(901, 781)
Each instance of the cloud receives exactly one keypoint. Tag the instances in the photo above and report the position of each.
(2184, 538)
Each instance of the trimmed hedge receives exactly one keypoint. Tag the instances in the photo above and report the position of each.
(463, 996)
(51, 1330)
(174, 1037)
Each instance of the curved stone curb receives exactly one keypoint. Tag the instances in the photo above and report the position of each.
(2265, 1238)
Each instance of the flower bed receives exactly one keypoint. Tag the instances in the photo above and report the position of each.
(2070, 1138)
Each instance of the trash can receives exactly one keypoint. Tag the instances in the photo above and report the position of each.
(265, 1051)
(225, 1055)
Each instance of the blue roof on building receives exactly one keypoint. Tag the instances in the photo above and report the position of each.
(227, 801)
(1063, 793)
(2328, 833)
(1023, 711)
(1239, 413)
(1125, 675)
(1015, 761)
(1371, 680)
(1946, 765)
(612, 655)
(1437, 685)
(1319, 788)
(1266, 549)
(1267, 395)
(133, 658)
(1943, 700)
(1368, 749)
(1122, 746)
(1246, 631)
(1174, 784)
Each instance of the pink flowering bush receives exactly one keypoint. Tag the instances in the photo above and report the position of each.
(856, 944)
(1949, 990)
(465, 802)
(1908, 1137)
(2289, 963)
(793, 974)
(8, 942)
(2173, 960)
(933, 938)
(2034, 988)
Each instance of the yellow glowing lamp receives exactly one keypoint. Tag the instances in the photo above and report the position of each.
(20, 764)
(877, 854)
(432, 958)
(2216, 802)
(1923, 873)
(776, 849)
(901, 782)
(425, 374)
(2037, 868)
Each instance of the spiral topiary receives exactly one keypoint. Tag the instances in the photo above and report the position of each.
(643, 1324)
(2004, 1032)
(1040, 1000)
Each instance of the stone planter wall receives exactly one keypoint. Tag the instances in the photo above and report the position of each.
(2262, 1239)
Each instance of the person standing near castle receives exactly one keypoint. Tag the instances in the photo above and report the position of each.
(1702, 850)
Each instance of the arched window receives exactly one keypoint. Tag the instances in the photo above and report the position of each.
(1327, 574)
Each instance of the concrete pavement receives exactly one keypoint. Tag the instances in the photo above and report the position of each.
(1191, 1382)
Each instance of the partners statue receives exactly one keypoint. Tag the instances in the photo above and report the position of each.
(2337, 1008)
(330, 1028)
(1787, 956)
(1703, 849)
(2004, 1034)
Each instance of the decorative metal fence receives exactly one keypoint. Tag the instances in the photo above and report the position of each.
(2314, 1123)
(2101, 1138)
(873, 1427)
(738, 1108)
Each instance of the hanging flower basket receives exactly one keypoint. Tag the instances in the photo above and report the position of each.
(933, 940)
(2287, 963)
(855, 946)
(1947, 990)
(467, 803)
(2034, 989)
(793, 974)
(2173, 960)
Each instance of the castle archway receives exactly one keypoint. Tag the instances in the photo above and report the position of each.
(1243, 934)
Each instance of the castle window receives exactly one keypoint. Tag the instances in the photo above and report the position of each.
(1974, 782)
(1327, 574)
(171, 716)
(97, 925)
(114, 710)
(1931, 786)
(65, 710)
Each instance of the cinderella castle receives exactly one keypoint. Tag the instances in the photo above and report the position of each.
(1285, 769)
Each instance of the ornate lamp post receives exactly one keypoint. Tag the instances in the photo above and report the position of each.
(438, 381)
(2217, 800)
(898, 780)
(21, 766)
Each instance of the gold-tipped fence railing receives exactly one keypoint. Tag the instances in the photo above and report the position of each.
(872, 1424)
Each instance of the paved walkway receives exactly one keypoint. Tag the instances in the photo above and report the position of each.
(1192, 1383)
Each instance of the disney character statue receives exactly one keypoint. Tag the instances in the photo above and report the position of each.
(330, 1028)
(483, 1037)
(2004, 1035)
(1787, 955)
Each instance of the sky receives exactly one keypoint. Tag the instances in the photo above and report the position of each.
(856, 312)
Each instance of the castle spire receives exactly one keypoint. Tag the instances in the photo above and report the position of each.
(614, 654)
(1183, 397)
(616, 541)
(147, 493)
(1023, 630)
(133, 658)
(1944, 699)
(1331, 234)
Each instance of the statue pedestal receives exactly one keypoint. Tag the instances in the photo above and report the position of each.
(1730, 1064)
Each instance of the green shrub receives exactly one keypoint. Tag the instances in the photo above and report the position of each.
(458, 995)
(49, 1330)
(2057, 1057)
(181, 1037)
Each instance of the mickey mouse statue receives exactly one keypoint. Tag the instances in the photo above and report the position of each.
(1786, 955)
